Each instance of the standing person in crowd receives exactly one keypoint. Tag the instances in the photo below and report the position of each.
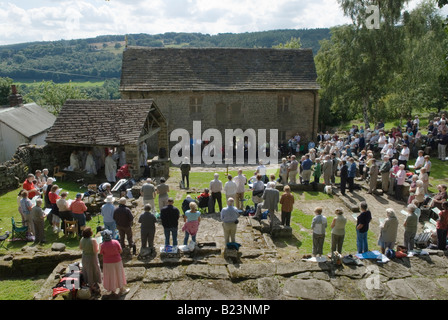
(318, 225)
(338, 231)
(404, 156)
(344, 176)
(327, 170)
(257, 191)
(410, 227)
(192, 219)
(306, 166)
(230, 188)
(170, 218)
(29, 186)
(287, 202)
(240, 181)
(373, 173)
(293, 169)
(283, 172)
(229, 217)
(46, 191)
(90, 265)
(53, 198)
(400, 178)
(110, 168)
(423, 176)
(147, 227)
(442, 227)
(124, 219)
(384, 170)
(78, 209)
(351, 174)
(362, 228)
(148, 193)
(64, 209)
(185, 169)
(162, 189)
(113, 272)
(216, 188)
(26, 205)
(38, 220)
(317, 171)
(334, 166)
(388, 231)
(107, 211)
(442, 139)
(392, 177)
(420, 161)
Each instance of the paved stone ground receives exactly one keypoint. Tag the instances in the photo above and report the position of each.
(272, 270)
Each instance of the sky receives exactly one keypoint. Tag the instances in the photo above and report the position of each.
(49, 20)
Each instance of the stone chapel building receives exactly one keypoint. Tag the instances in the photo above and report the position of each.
(227, 88)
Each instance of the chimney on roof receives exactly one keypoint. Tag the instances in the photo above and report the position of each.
(15, 99)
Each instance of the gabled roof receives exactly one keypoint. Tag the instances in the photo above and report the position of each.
(29, 120)
(101, 122)
(217, 69)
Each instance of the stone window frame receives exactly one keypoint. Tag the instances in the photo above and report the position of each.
(195, 105)
(283, 103)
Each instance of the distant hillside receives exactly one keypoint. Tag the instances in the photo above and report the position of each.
(99, 58)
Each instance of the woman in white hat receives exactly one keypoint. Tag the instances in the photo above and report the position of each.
(107, 211)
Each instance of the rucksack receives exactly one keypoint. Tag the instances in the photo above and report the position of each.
(390, 253)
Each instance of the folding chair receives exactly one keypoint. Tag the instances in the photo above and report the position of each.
(203, 204)
(18, 230)
(3, 239)
(57, 173)
(71, 227)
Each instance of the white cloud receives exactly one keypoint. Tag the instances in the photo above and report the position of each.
(30, 20)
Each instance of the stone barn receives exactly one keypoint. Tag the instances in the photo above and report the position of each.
(109, 124)
(227, 88)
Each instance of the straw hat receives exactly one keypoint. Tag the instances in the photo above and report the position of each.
(110, 199)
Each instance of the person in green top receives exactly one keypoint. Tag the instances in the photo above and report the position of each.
(90, 264)
(317, 171)
(410, 227)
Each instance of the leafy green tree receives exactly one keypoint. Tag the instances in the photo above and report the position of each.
(5, 90)
(53, 96)
(294, 43)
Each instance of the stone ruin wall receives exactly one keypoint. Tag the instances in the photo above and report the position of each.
(27, 159)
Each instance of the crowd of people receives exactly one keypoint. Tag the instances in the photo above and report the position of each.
(379, 157)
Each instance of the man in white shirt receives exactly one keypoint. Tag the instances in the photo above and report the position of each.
(240, 181)
(404, 156)
(215, 190)
(420, 162)
(230, 188)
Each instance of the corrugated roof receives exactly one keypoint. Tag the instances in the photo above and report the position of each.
(217, 69)
(29, 119)
(101, 122)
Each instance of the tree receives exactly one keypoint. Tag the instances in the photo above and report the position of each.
(53, 96)
(294, 43)
(5, 90)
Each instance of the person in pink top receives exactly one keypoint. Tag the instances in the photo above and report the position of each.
(113, 272)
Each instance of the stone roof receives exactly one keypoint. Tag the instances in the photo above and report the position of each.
(29, 120)
(101, 122)
(217, 69)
